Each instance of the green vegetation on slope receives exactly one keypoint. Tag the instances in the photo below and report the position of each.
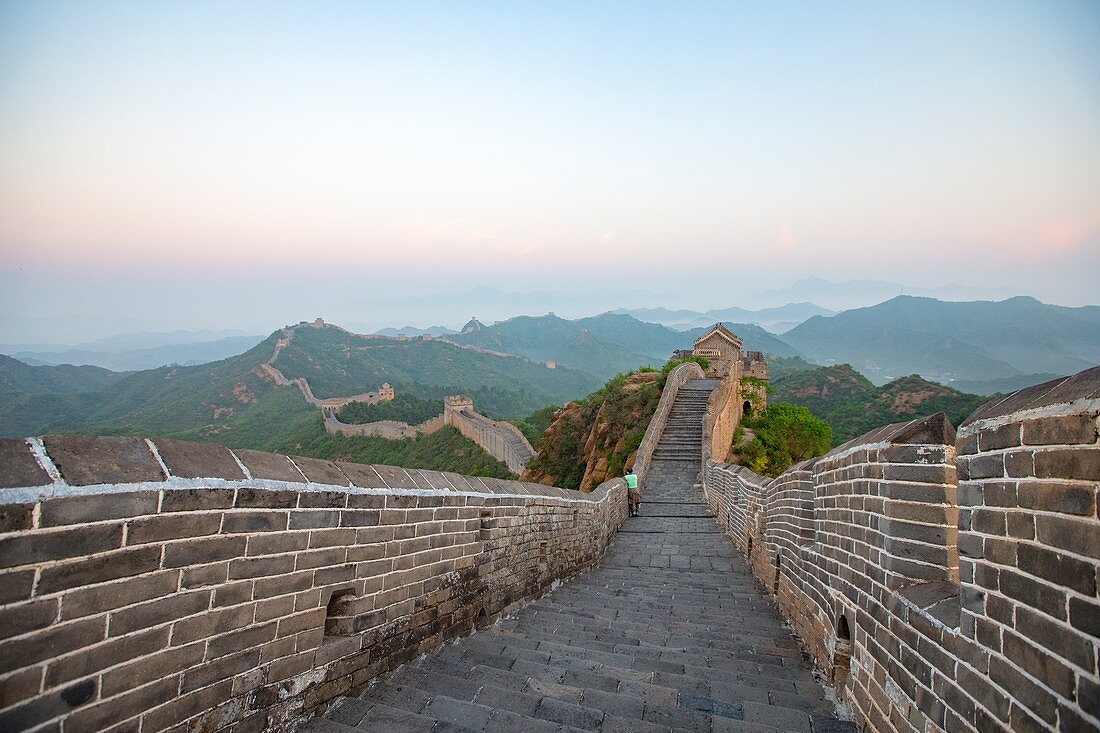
(784, 435)
(595, 438)
(443, 450)
(403, 408)
(852, 405)
(15, 376)
(338, 363)
(172, 401)
(973, 342)
(536, 423)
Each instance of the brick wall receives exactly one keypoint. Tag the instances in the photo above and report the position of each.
(936, 603)
(676, 379)
(162, 585)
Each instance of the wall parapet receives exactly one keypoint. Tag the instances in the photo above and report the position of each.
(164, 583)
(944, 582)
(676, 378)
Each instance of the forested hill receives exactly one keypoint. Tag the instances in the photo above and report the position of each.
(989, 345)
(336, 362)
(15, 376)
(852, 405)
(602, 345)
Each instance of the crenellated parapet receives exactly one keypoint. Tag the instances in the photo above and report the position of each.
(165, 585)
(944, 582)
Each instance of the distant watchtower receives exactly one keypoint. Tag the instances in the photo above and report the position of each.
(721, 348)
(455, 403)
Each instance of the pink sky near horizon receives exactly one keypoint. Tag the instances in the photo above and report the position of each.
(508, 146)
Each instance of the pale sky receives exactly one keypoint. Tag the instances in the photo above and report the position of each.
(234, 165)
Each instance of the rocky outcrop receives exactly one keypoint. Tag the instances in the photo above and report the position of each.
(598, 437)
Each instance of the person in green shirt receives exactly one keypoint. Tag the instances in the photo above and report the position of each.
(632, 493)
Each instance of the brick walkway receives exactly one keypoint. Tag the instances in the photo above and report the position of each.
(669, 633)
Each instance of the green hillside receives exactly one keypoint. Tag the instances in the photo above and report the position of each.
(443, 450)
(602, 345)
(980, 344)
(406, 408)
(228, 401)
(15, 376)
(338, 363)
(852, 405)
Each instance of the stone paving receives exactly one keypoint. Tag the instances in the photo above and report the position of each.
(669, 633)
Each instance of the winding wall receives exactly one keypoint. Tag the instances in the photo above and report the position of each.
(165, 585)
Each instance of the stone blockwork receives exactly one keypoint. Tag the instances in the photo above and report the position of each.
(938, 603)
(161, 585)
(676, 379)
(502, 440)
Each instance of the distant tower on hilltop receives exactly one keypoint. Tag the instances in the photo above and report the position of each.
(385, 392)
(472, 326)
(319, 322)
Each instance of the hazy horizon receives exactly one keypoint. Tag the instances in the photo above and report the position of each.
(187, 166)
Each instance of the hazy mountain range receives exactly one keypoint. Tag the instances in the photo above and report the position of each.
(139, 350)
(776, 320)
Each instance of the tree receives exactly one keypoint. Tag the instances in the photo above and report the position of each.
(785, 435)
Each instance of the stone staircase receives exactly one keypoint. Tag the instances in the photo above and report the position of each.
(669, 633)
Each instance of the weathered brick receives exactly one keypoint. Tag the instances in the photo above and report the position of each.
(19, 467)
(1005, 436)
(270, 466)
(1058, 568)
(364, 517)
(236, 641)
(24, 617)
(220, 669)
(1064, 497)
(1059, 639)
(23, 685)
(1077, 535)
(322, 499)
(202, 551)
(162, 611)
(191, 500)
(184, 706)
(108, 596)
(98, 507)
(314, 519)
(256, 567)
(231, 594)
(88, 459)
(122, 564)
(266, 499)
(366, 501)
(1085, 616)
(217, 621)
(49, 706)
(1040, 664)
(15, 517)
(1066, 430)
(27, 548)
(274, 543)
(121, 707)
(1069, 463)
(319, 471)
(1033, 593)
(198, 460)
(172, 527)
(103, 655)
(253, 521)
(16, 586)
(164, 663)
(51, 642)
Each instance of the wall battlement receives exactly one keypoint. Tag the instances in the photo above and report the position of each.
(945, 582)
(184, 586)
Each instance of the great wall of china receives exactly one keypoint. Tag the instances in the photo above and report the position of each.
(939, 580)
(498, 438)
